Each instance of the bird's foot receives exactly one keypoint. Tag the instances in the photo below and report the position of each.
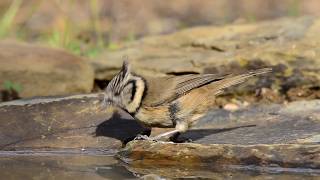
(157, 138)
(145, 137)
(142, 137)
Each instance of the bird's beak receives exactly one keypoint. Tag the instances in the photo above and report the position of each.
(107, 105)
(106, 102)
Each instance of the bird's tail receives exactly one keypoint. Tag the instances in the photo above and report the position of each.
(231, 80)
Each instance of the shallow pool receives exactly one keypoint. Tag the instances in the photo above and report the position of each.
(69, 164)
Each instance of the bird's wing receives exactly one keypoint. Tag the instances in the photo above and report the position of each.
(167, 89)
(163, 90)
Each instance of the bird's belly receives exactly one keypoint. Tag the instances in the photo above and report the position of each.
(154, 118)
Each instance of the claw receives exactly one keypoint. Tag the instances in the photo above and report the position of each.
(145, 137)
(142, 137)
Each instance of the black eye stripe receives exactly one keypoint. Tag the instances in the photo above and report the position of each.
(133, 90)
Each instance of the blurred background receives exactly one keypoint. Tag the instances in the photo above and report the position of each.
(86, 27)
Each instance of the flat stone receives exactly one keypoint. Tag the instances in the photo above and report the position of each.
(197, 155)
(78, 122)
(274, 135)
(260, 124)
(43, 71)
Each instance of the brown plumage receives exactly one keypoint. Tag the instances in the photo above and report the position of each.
(169, 101)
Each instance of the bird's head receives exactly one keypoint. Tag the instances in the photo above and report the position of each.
(125, 90)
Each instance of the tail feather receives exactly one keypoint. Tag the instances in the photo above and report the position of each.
(232, 80)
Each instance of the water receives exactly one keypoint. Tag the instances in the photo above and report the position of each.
(55, 165)
(101, 165)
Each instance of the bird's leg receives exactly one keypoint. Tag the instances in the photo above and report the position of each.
(166, 134)
(181, 126)
(155, 138)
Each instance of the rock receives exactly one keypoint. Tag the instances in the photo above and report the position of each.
(290, 46)
(266, 136)
(223, 161)
(78, 122)
(42, 71)
(222, 155)
(269, 137)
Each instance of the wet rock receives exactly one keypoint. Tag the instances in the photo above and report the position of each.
(191, 154)
(274, 135)
(77, 121)
(290, 46)
(232, 172)
(41, 71)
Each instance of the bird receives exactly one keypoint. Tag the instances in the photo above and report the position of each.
(169, 102)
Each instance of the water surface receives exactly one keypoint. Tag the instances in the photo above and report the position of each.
(103, 165)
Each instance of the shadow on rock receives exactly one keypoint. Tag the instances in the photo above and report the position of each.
(197, 134)
(126, 129)
(121, 128)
